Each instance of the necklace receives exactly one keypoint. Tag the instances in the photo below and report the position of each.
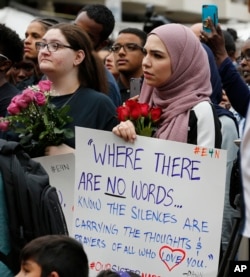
(70, 98)
(54, 94)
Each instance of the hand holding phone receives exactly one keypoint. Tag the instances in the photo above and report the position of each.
(212, 12)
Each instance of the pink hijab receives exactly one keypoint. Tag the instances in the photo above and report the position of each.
(188, 85)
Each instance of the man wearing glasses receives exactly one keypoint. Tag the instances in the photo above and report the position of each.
(128, 54)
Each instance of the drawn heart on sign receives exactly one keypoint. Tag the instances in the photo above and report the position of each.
(171, 257)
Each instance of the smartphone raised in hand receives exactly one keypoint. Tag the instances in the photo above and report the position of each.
(135, 86)
(209, 11)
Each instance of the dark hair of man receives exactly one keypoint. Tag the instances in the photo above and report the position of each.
(46, 22)
(58, 253)
(101, 15)
(11, 44)
(233, 33)
(229, 43)
(110, 273)
(91, 71)
(137, 32)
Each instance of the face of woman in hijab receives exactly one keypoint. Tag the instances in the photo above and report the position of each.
(156, 64)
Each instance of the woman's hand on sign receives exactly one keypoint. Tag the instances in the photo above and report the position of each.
(125, 130)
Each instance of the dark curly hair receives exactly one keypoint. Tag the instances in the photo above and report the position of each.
(11, 44)
(58, 253)
(110, 273)
(101, 15)
(137, 32)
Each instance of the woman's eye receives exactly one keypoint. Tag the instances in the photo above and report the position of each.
(158, 56)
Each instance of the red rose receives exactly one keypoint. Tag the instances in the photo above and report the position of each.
(155, 114)
(143, 117)
(122, 113)
(131, 104)
(135, 111)
(144, 109)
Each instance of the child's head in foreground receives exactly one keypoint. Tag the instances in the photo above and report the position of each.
(110, 273)
(53, 256)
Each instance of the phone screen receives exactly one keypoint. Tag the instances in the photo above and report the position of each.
(209, 11)
(135, 86)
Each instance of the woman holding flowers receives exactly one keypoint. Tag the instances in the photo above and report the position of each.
(45, 115)
(78, 79)
(177, 80)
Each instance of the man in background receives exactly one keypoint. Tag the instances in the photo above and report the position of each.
(99, 22)
(128, 55)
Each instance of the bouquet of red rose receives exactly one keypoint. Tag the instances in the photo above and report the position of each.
(36, 121)
(144, 117)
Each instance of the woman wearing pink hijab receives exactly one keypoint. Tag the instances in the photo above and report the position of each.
(177, 79)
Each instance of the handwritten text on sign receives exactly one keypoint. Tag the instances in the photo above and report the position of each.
(154, 207)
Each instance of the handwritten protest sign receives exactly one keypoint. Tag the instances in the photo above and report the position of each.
(154, 207)
(61, 170)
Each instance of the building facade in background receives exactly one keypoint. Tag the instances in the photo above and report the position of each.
(232, 13)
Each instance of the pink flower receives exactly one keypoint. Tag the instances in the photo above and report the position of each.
(15, 99)
(40, 98)
(27, 95)
(19, 101)
(44, 85)
(23, 100)
(36, 121)
(13, 109)
(4, 125)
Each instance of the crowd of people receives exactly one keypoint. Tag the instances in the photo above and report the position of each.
(196, 78)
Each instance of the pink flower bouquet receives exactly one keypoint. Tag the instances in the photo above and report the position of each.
(35, 119)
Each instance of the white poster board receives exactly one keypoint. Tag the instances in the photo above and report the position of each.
(61, 170)
(154, 207)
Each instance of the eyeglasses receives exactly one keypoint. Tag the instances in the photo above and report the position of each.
(245, 56)
(3, 56)
(51, 46)
(128, 47)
